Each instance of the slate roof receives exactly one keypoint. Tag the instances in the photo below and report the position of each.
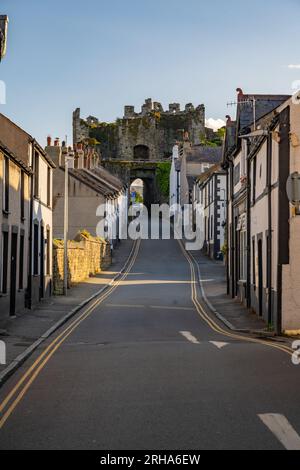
(204, 154)
(30, 139)
(264, 105)
(13, 157)
(106, 176)
(99, 180)
(214, 169)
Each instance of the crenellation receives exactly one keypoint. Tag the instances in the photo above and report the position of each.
(91, 120)
(129, 112)
(153, 128)
(189, 107)
(157, 107)
(174, 108)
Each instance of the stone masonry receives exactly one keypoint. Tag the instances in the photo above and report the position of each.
(134, 146)
(148, 135)
(87, 256)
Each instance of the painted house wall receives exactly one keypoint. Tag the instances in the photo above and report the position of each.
(83, 205)
(222, 191)
(239, 205)
(210, 203)
(42, 217)
(9, 223)
(291, 271)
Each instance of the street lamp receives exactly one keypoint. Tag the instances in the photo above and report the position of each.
(69, 157)
(3, 35)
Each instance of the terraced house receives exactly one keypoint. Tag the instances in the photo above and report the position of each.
(26, 219)
(14, 217)
(210, 201)
(262, 151)
(90, 187)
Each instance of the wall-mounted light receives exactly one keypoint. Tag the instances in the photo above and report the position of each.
(3, 35)
(276, 136)
(294, 140)
(293, 192)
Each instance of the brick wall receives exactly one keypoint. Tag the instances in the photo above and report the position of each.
(87, 256)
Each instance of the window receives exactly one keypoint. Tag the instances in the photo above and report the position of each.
(36, 174)
(22, 195)
(212, 227)
(254, 181)
(4, 262)
(36, 250)
(6, 184)
(208, 228)
(243, 255)
(141, 152)
(253, 263)
(48, 252)
(243, 157)
(48, 186)
(21, 265)
(237, 174)
(267, 258)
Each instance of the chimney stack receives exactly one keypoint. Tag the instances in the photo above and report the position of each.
(54, 151)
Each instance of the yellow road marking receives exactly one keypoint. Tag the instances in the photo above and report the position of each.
(211, 323)
(59, 340)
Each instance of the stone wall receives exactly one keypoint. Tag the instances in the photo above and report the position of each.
(154, 128)
(87, 256)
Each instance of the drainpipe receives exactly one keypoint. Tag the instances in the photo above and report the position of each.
(232, 245)
(29, 286)
(227, 234)
(283, 208)
(269, 256)
(248, 288)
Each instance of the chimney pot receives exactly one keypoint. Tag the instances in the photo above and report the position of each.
(49, 141)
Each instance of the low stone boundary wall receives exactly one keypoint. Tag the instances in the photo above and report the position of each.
(87, 256)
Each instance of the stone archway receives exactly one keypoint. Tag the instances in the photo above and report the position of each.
(146, 171)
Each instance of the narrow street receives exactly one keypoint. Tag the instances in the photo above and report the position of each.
(143, 370)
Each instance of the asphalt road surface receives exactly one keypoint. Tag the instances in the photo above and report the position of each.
(145, 371)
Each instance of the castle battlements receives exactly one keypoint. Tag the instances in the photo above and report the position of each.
(154, 106)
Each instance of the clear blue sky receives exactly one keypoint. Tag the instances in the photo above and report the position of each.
(100, 55)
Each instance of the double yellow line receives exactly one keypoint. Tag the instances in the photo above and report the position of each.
(14, 397)
(209, 320)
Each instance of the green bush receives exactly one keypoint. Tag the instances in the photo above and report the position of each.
(163, 177)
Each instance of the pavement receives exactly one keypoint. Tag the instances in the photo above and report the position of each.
(23, 333)
(149, 369)
(231, 311)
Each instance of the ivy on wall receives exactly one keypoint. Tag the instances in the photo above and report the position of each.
(163, 177)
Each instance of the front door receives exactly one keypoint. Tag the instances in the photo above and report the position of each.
(42, 263)
(260, 278)
(13, 273)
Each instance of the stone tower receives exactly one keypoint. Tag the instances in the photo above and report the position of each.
(147, 135)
